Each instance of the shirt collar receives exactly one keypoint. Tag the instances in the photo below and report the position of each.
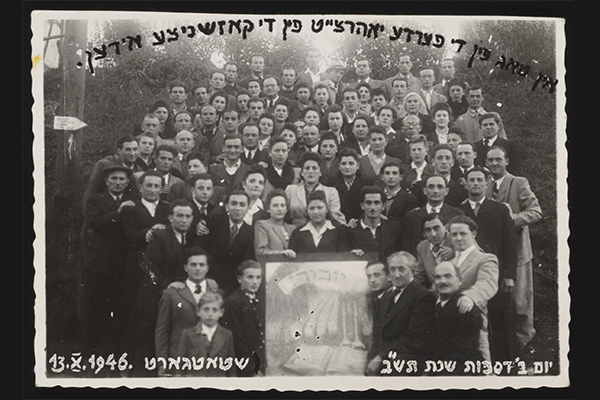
(192, 285)
(311, 228)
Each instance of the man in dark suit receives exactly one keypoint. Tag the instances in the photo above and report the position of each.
(177, 305)
(231, 171)
(490, 128)
(455, 335)
(172, 186)
(373, 234)
(229, 241)
(378, 277)
(245, 317)
(406, 317)
(206, 198)
(104, 261)
(435, 248)
(398, 200)
(435, 190)
(465, 160)
(251, 153)
(497, 234)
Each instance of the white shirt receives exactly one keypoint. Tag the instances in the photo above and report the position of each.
(473, 203)
(314, 77)
(419, 170)
(442, 136)
(429, 208)
(192, 286)
(461, 255)
(178, 236)
(256, 207)
(373, 230)
(209, 332)
(232, 169)
(317, 235)
(151, 206)
(400, 292)
(490, 142)
(278, 170)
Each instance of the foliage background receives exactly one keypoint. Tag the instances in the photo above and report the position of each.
(123, 87)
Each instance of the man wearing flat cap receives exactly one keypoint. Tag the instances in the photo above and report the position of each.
(334, 83)
(103, 263)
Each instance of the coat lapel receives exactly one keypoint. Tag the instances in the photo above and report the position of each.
(217, 342)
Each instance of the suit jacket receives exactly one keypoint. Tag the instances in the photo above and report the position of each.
(404, 326)
(349, 199)
(411, 226)
(260, 155)
(177, 187)
(368, 171)
(400, 205)
(330, 173)
(525, 210)
(230, 182)
(456, 193)
(176, 311)
(297, 203)
(195, 344)
(271, 238)
(414, 84)
(427, 261)
(455, 336)
(496, 234)
(225, 258)
(515, 163)
(287, 177)
(105, 243)
(436, 97)
(479, 272)
(333, 240)
(409, 178)
(384, 243)
(374, 83)
(246, 321)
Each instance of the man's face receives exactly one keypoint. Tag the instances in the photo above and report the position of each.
(116, 182)
(363, 69)
(164, 161)
(489, 128)
(446, 280)
(313, 59)
(232, 148)
(462, 237)
(254, 88)
(183, 121)
(150, 189)
(391, 177)
(196, 268)
(250, 137)
(435, 190)
(208, 116)
(146, 145)
(254, 185)
(360, 128)
(496, 162)
(237, 207)
(201, 95)
(443, 161)
(328, 149)
(475, 98)
(448, 69)
(386, 117)
(434, 231)
(418, 152)
(400, 271)
(377, 142)
(372, 205)
(288, 77)
(231, 73)
(230, 121)
(242, 102)
(456, 93)
(203, 190)
(303, 95)
(348, 166)
(404, 65)
(378, 101)
(257, 65)
(256, 109)
(465, 155)
(476, 184)
(210, 313)
(251, 279)
(321, 96)
(195, 167)
(399, 89)
(280, 112)
(151, 126)
(310, 133)
(335, 75)
(279, 153)
(178, 95)
(377, 277)
(350, 101)
(184, 142)
(128, 152)
(181, 218)
(454, 139)
(270, 87)
(412, 105)
(411, 126)
(441, 119)
(217, 81)
(335, 121)
(427, 78)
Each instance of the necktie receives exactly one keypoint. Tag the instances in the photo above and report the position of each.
(428, 99)
(476, 209)
(183, 239)
(203, 211)
(395, 293)
(486, 142)
(232, 234)
(433, 210)
(495, 189)
(198, 288)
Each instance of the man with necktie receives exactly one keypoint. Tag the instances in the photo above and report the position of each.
(490, 131)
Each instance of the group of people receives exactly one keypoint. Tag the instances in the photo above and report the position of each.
(411, 169)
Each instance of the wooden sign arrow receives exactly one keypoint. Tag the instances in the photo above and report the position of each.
(63, 123)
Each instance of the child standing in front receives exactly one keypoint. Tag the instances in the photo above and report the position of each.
(208, 339)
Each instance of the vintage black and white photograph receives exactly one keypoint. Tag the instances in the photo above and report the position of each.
(299, 201)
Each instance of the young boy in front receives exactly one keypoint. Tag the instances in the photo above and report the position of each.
(208, 339)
